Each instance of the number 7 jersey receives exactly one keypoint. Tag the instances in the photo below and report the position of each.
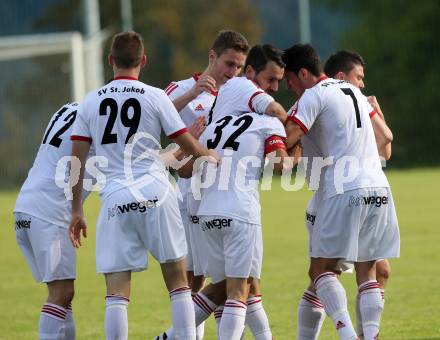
(123, 121)
(336, 116)
(242, 143)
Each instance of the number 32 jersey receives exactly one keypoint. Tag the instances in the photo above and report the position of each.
(336, 116)
(123, 121)
(242, 143)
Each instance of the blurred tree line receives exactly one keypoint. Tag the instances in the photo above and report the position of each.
(399, 39)
(400, 42)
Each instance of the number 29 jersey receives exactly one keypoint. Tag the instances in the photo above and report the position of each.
(336, 116)
(123, 121)
(242, 143)
(40, 196)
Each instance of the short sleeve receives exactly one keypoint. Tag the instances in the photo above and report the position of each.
(81, 128)
(173, 90)
(260, 101)
(170, 120)
(309, 107)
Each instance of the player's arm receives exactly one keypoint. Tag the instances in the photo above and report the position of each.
(382, 132)
(275, 147)
(294, 133)
(78, 226)
(204, 83)
(275, 109)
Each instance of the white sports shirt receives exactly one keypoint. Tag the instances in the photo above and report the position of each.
(240, 95)
(242, 143)
(200, 106)
(123, 121)
(40, 196)
(336, 117)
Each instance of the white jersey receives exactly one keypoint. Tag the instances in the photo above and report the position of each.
(123, 121)
(240, 95)
(336, 116)
(200, 106)
(242, 143)
(40, 196)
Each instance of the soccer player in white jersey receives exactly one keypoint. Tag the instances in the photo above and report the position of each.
(249, 94)
(232, 247)
(42, 216)
(139, 213)
(193, 97)
(264, 69)
(349, 66)
(355, 220)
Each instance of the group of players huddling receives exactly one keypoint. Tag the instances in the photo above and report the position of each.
(227, 127)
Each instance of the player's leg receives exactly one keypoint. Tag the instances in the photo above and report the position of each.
(370, 299)
(116, 303)
(332, 295)
(311, 315)
(383, 273)
(60, 294)
(256, 318)
(52, 259)
(234, 313)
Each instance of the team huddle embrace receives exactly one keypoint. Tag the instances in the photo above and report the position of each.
(228, 129)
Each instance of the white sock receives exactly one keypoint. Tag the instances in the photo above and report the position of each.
(371, 306)
(69, 324)
(311, 316)
(359, 329)
(183, 314)
(232, 321)
(52, 319)
(256, 319)
(116, 318)
(200, 329)
(218, 317)
(332, 295)
(203, 307)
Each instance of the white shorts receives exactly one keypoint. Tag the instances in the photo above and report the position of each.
(129, 227)
(46, 247)
(186, 220)
(311, 211)
(357, 226)
(195, 235)
(230, 248)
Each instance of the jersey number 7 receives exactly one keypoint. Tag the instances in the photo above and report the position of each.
(350, 93)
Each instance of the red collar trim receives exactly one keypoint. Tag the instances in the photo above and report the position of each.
(196, 77)
(125, 77)
(323, 77)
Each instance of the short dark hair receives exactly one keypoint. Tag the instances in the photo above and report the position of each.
(342, 61)
(260, 55)
(127, 49)
(227, 39)
(302, 56)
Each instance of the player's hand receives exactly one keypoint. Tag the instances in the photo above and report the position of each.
(198, 127)
(372, 100)
(213, 156)
(204, 83)
(77, 227)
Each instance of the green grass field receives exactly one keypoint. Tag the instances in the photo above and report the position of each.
(412, 308)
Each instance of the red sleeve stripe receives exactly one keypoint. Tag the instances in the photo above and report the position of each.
(300, 123)
(274, 143)
(372, 113)
(178, 133)
(171, 88)
(252, 98)
(81, 138)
